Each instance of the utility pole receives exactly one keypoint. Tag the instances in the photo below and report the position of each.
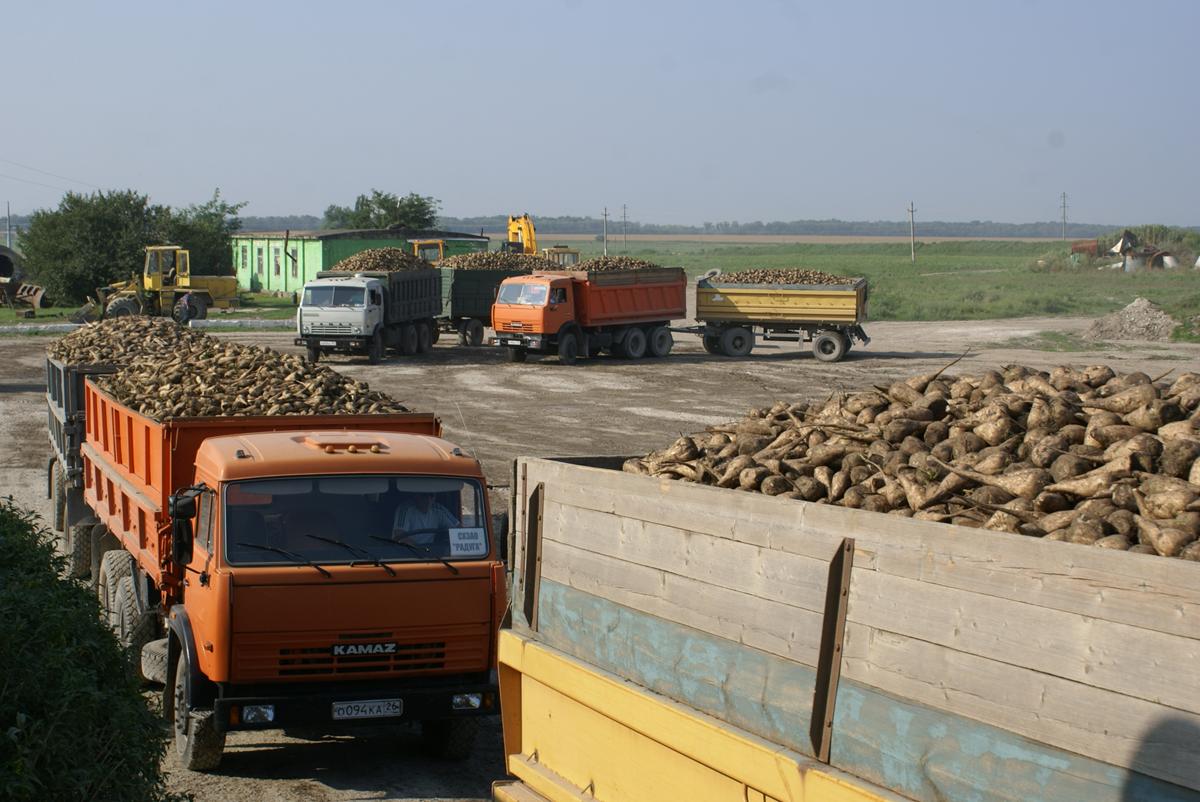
(606, 231)
(8, 224)
(1064, 216)
(624, 233)
(912, 232)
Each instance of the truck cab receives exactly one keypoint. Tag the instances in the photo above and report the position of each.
(531, 311)
(332, 577)
(343, 315)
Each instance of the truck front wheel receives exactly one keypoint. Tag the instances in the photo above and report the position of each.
(197, 741)
(516, 354)
(473, 332)
(314, 354)
(424, 338)
(375, 348)
(568, 348)
(450, 738)
(408, 339)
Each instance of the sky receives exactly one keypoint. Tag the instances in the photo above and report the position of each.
(686, 112)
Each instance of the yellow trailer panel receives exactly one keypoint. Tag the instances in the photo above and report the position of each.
(780, 303)
(573, 732)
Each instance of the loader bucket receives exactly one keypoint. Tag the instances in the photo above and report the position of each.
(88, 313)
(31, 294)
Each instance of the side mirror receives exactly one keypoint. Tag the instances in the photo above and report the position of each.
(181, 541)
(183, 506)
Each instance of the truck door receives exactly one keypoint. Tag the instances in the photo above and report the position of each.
(201, 585)
(560, 305)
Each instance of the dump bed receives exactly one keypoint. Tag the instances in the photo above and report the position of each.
(133, 464)
(781, 305)
(65, 413)
(411, 294)
(678, 641)
(623, 297)
(471, 293)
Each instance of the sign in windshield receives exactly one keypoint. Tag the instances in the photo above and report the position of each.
(525, 294)
(338, 520)
(334, 296)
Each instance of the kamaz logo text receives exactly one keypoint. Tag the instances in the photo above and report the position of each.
(348, 649)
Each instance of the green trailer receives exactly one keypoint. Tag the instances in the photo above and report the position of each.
(467, 298)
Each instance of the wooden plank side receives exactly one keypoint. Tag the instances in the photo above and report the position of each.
(787, 578)
(934, 756)
(1129, 660)
(773, 627)
(1136, 589)
(1068, 715)
(748, 688)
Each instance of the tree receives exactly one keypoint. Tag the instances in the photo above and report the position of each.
(89, 241)
(384, 210)
(205, 230)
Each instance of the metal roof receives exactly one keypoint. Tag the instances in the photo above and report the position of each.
(360, 233)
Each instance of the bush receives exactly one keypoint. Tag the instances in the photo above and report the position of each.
(73, 723)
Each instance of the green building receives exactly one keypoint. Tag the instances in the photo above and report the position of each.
(282, 261)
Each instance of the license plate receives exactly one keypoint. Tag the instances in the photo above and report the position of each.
(512, 342)
(327, 342)
(368, 708)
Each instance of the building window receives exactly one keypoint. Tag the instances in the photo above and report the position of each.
(245, 256)
(295, 263)
(259, 255)
(275, 259)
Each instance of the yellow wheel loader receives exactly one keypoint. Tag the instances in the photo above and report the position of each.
(166, 288)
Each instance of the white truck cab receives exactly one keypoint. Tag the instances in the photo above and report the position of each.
(342, 314)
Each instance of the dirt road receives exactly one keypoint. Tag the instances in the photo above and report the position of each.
(499, 411)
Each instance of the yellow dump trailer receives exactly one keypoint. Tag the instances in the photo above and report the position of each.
(674, 642)
(828, 316)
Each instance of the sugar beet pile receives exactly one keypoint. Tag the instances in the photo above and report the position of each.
(782, 276)
(1082, 456)
(497, 260)
(167, 371)
(388, 260)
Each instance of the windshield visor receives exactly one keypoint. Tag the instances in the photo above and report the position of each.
(524, 294)
(339, 520)
(334, 296)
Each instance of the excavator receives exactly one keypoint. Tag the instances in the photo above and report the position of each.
(522, 238)
(166, 287)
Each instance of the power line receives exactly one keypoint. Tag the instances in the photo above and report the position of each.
(35, 183)
(52, 175)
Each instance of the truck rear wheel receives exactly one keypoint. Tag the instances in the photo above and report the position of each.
(408, 339)
(450, 738)
(79, 550)
(424, 338)
(634, 344)
(115, 565)
(568, 348)
(829, 346)
(58, 497)
(197, 741)
(516, 354)
(659, 341)
(712, 344)
(474, 332)
(134, 624)
(737, 341)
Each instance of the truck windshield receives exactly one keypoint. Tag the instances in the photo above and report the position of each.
(526, 294)
(334, 296)
(338, 520)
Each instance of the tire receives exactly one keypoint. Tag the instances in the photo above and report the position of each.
(58, 497)
(450, 738)
(516, 354)
(201, 305)
(197, 741)
(183, 311)
(568, 348)
(462, 332)
(154, 661)
(829, 346)
(134, 625)
(634, 344)
(115, 565)
(712, 344)
(375, 348)
(436, 332)
(424, 338)
(659, 341)
(79, 550)
(474, 332)
(314, 355)
(123, 307)
(408, 339)
(737, 341)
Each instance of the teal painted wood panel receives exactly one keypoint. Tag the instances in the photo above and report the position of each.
(934, 756)
(756, 691)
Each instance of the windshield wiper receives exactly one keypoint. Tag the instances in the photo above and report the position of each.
(300, 558)
(417, 551)
(355, 550)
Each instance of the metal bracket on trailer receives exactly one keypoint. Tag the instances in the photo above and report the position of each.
(829, 660)
(531, 574)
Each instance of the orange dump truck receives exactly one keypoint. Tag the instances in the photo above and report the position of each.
(277, 571)
(578, 313)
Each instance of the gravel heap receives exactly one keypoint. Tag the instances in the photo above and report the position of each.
(1141, 320)
(387, 260)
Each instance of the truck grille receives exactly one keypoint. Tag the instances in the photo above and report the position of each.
(330, 328)
(457, 649)
(510, 326)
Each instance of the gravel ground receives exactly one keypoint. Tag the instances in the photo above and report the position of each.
(499, 411)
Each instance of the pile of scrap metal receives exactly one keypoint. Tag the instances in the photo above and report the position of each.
(13, 291)
(1135, 256)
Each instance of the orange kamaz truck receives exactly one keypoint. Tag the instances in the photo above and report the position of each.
(296, 570)
(580, 313)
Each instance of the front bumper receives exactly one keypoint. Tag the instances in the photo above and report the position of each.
(314, 706)
(332, 342)
(532, 342)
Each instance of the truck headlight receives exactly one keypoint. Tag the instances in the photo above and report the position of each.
(356, 329)
(466, 701)
(258, 714)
